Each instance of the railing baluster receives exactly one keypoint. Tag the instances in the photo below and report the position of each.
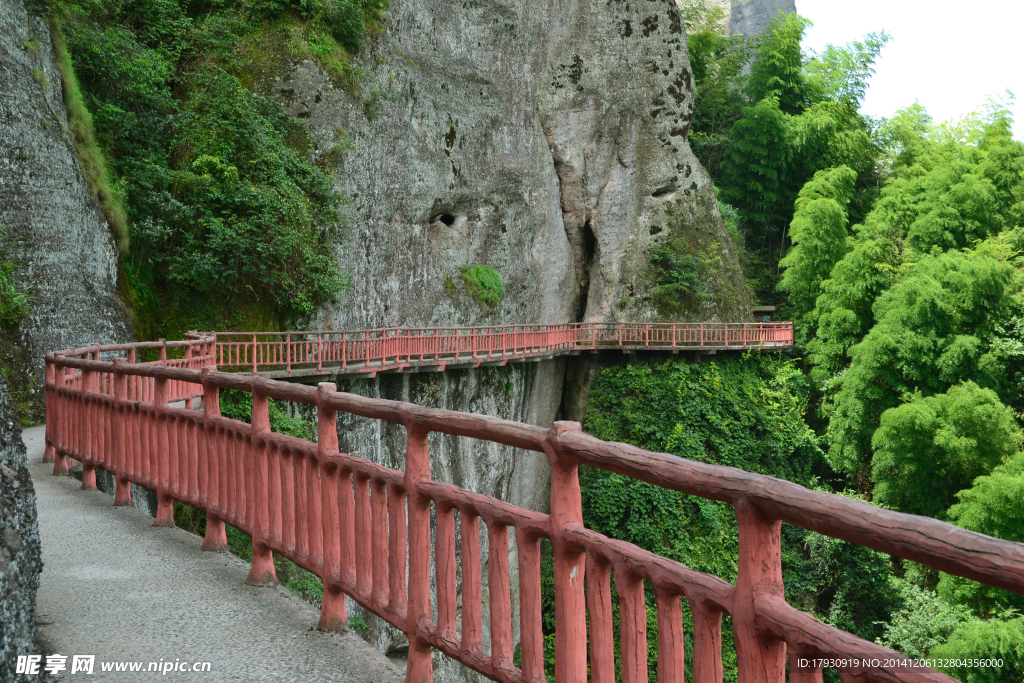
(599, 607)
(335, 513)
(531, 632)
(363, 531)
(471, 608)
(707, 643)
(397, 551)
(417, 470)
(212, 447)
(444, 562)
(262, 572)
(379, 542)
(570, 567)
(632, 626)
(499, 597)
(671, 649)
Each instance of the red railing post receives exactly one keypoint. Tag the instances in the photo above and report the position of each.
(123, 488)
(254, 364)
(51, 410)
(570, 562)
(759, 657)
(417, 469)
(262, 572)
(333, 612)
(320, 352)
(90, 384)
(344, 358)
(288, 352)
(165, 505)
(216, 537)
(60, 461)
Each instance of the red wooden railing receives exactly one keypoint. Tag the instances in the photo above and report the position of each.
(366, 530)
(399, 347)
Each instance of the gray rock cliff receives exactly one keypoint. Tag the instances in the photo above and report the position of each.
(547, 140)
(20, 554)
(56, 234)
(753, 16)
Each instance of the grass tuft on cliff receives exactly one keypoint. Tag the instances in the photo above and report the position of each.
(90, 156)
(484, 284)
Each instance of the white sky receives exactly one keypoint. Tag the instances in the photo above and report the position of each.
(948, 55)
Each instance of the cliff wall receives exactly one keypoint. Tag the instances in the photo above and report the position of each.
(52, 227)
(20, 554)
(753, 16)
(547, 140)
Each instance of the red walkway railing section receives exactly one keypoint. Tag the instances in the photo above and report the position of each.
(366, 530)
(399, 347)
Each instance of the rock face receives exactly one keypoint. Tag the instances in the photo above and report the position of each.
(753, 16)
(547, 140)
(52, 227)
(20, 555)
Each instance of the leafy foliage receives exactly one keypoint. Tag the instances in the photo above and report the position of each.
(484, 284)
(237, 405)
(746, 413)
(924, 622)
(994, 639)
(677, 276)
(802, 118)
(222, 202)
(934, 328)
(994, 505)
(15, 303)
(930, 448)
(819, 232)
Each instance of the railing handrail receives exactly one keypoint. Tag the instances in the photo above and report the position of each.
(353, 561)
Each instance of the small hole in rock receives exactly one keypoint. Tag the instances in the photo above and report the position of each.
(445, 218)
(655, 229)
(664, 192)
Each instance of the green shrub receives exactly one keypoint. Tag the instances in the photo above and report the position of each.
(677, 277)
(1001, 639)
(484, 284)
(14, 304)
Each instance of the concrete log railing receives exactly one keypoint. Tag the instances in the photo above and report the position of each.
(398, 347)
(366, 530)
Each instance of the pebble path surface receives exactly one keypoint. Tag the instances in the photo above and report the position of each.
(116, 587)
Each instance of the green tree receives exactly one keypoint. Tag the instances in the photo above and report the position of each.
(819, 232)
(931, 448)
(1001, 639)
(757, 177)
(777, 71)
(994, 505)
(935, 328)
(802, 118)
(924, 622)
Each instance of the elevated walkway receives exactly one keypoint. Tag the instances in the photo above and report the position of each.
(119, 588)
(342, 354)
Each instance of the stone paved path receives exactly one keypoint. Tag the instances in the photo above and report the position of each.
(119, 588)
